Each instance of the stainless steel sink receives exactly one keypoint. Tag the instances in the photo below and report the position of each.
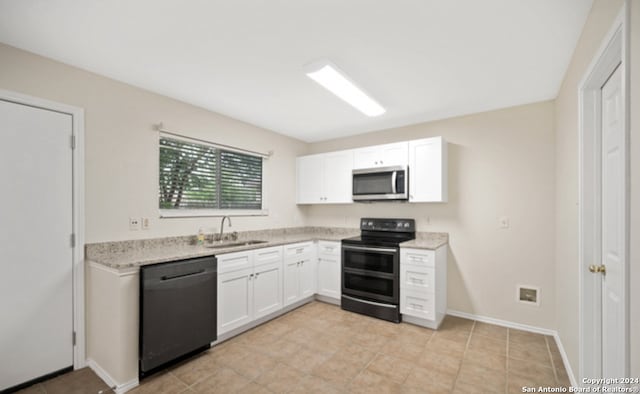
(218, 245)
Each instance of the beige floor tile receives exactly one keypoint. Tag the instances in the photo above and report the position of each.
(404, 349)
(223, 380)
(516, 383)
(337, 370)
(368, 382)
(482, 377)
(533, 370)
(487, 344)
(306, 359)
(164, 383)
(315, 385)
(444, 346)
(490, 330)
(440, 362)
(461, 336)
(254, 388)
(382, 327)
(281, 349)
(253, 365)
(371, 341)
(526, 338)
(429, 389)
(77, 382)
(195, 369)
(225, 352)
(488, 359)
(466, 388)
(456, 323)
(303, 335)
(356, 354)
(562, 378)
(423, 378)
(34, 389)
(533, 353)
(281, 378)
(389, 367)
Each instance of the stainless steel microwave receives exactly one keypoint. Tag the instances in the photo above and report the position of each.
(381, 183)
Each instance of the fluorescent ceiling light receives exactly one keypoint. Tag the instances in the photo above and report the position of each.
(333, 79)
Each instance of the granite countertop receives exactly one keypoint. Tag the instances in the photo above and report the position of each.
(127, 255)
(426, 240)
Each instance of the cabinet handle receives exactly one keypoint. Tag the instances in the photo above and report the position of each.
(381, 162)
(256, 276)
(414, 280)
(416, 306)
(376, 162)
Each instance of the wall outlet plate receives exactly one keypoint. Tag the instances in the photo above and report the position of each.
(528, 294)
(134, 224)
(503, 222)
(145, 223)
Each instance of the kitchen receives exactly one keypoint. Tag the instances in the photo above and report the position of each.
(509, 214)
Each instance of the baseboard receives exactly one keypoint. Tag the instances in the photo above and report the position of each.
(565, 360)
(115, 386)
(523, 327)
(328, 300)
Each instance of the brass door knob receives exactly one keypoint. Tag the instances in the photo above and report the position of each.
(597, 268)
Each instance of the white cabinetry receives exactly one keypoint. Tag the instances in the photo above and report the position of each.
(299, 272)
(428, 170)
(249, 286)
(324, 178)
(423, 286)
(396, 154)
(329, 269)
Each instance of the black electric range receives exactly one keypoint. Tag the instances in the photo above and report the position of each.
(371, 267)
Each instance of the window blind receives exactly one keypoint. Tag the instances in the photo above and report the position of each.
(199, 176)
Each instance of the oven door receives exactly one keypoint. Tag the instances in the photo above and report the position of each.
(383, 183)
(371, 273)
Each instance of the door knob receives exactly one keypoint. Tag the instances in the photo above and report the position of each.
(597, 268)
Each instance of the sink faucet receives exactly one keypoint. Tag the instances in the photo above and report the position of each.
(222, 226)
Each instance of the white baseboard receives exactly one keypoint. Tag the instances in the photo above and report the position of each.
(523, 327)
(115, 386)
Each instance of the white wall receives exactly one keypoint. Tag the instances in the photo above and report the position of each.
(122, 153)
(501, 163)
(598, 24)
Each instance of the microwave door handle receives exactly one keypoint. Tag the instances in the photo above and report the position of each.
(394, 176)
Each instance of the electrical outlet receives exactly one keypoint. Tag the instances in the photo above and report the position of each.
(134, 224)
(145, 223)
(503, 222)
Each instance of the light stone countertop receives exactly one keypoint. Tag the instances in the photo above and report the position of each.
(128, 255)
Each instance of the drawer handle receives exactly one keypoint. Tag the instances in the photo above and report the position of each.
(416, 280)
(299, 250)
(416, 306)
(420, 258)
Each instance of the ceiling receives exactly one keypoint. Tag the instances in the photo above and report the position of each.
(422, 60)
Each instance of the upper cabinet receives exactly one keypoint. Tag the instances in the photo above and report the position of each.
(324, 178)
(428, 170)
(396, 154)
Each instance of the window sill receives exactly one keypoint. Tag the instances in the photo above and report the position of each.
(199, 213)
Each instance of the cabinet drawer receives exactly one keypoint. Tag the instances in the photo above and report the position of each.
(267, 255)
(298, 250)
(418, 304)
(417, 278)
(234, 261)
(328, 248)
(419, 257)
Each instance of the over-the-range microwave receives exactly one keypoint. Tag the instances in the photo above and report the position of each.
(381, 184)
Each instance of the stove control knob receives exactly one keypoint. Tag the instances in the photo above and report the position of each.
(370, 224)
(406, 225)
(399, 224)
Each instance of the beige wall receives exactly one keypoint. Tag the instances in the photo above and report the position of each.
(635, 189)
(566, 106)
(501, 163)
(122, 152)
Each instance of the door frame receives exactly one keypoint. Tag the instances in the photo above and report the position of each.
(612, 53)
(77, 114)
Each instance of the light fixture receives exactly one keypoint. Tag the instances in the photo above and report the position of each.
(337, 82)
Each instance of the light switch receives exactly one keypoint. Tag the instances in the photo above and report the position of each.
(503, 222)
(145, 223)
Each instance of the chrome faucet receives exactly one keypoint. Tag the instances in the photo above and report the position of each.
(222, 227)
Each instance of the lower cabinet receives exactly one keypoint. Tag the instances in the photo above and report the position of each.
(250, 286)
(329, 268)
(299, 272)
(423, 286)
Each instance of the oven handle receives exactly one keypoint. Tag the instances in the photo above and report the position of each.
(370, 302)
(369, 249)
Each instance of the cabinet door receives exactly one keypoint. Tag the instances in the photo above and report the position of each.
(394, 154)
(337, 177)
(329, 283)
(366, 157)
(417, 303)
(307, 272)
(234, 300)
(428, 170)
(291, 282)
(309, 179)
(267, 289)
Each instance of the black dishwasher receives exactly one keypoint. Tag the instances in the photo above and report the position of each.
(178, 302)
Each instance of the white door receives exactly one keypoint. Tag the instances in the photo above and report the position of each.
(36, 257)
(307, 279)
(329, 277)
(234, 299)
(291, 282)
(426, 180)
(267, 289)
(337, 177)
(395, 154)
(613, 231)
(367, 157)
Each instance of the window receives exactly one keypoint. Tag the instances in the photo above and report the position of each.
(197, 176)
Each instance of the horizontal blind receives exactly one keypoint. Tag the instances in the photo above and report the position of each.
(198, 176)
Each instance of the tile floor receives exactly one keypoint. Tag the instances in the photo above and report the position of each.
(319, 348)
